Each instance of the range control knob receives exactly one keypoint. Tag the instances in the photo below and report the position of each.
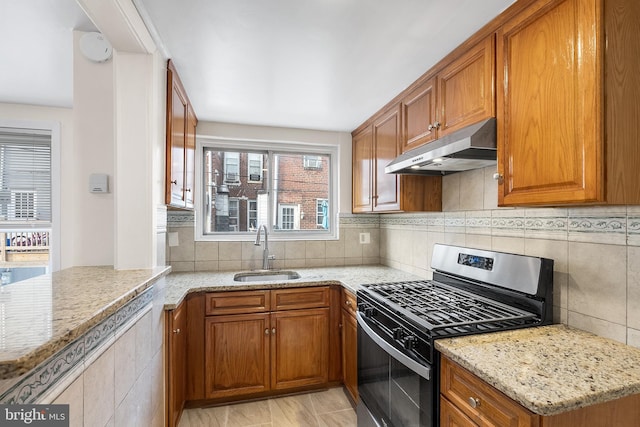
(369, 312)
(409, 342)
(398, 333)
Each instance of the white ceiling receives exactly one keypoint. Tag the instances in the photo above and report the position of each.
(315, 64)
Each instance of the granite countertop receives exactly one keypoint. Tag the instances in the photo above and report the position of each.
(350, 277)
(549, 369)
(42, 314)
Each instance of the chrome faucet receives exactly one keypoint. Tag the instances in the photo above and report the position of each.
(265, 250)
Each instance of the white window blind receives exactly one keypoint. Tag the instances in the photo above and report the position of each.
(25, 175)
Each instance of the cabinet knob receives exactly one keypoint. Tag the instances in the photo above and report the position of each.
(176, 331)
(497, 176)
(174, 182)
(188, 190)
(348, 302)
(430, 127)
(266, 331)
(474, 402)
(436, 125)
(273, 331)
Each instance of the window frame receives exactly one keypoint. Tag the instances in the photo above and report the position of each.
(54, 230)
(272, 148)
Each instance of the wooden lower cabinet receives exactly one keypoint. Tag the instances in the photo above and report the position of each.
(237, 354)
(248, 354)
(176, 338)
(468, 401)
(299, 348)
(349, 344)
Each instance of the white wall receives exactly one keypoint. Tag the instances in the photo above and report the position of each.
(266, 133)
(94, 141)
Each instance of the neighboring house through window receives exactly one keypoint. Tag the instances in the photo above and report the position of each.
(231, 167)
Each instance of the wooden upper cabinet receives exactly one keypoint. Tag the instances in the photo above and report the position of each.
(362, 185)
(460, 94)
(568, 132)
(466, 88)
(181, 143)
(386, 146)
(419, 113)
(550, 133)
(374, 147)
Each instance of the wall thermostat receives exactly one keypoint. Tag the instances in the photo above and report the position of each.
(99, 183)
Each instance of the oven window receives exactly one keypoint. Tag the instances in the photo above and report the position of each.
(393, 394)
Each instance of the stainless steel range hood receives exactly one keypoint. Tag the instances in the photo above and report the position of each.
(472, 147)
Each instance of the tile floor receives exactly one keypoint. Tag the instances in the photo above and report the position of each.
(330, 408)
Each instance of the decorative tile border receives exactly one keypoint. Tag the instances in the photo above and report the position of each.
(46, 375)
(598, 225)
(180, 219)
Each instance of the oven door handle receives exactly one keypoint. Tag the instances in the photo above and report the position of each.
(418, 368)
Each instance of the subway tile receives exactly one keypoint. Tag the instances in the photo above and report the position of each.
(206, 251)
(598, 225)
(98, 405)
(472, 190)
(597, 282)
(597, 326)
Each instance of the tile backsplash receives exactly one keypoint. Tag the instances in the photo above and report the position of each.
(596, 249)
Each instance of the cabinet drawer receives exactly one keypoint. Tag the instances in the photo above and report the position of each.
(291, 299)
(479, 401)
(236, 302)
(349, 302)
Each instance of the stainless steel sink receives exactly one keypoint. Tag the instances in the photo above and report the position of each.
(265, 275)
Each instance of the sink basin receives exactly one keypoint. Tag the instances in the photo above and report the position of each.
(265, 275)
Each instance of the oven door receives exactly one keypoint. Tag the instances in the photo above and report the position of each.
(395, 389)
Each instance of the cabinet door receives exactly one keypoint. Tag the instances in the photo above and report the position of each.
(350, 353)
(450, 416)
(490, 407)
(550, 139)
(237, 354)
(176, 321)
(386, 143)
(176, 119)
(362, 186)
(419, 115)
(299, 348)
(466, 92)
(190, 157)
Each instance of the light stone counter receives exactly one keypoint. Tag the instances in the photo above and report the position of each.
(41, 315)
(549, 369)
(181, 284)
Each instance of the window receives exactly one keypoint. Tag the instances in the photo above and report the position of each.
(312, 162)
(29, 152)
(288, 217)
(254, 167)
(322, 213)
(231, 168)
(252, 215)
(233, 214)
(274, 188)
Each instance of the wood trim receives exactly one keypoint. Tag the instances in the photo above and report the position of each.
(335, 334)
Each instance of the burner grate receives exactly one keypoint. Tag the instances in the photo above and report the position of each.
(439, 306)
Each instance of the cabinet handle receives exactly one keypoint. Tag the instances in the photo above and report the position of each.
(176, 331)
(188, 190)
(474, 402)
(266, 331)
(174, 182)
(273, 331)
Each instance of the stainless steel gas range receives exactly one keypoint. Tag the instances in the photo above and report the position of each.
(472, 291)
